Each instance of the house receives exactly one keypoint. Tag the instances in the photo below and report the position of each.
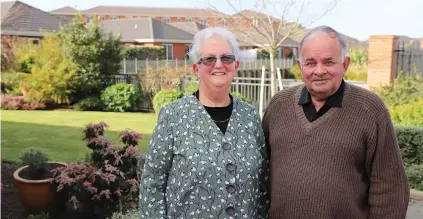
(166, 15)
(189, 20)
(24, 22)
(65, 13)
(151, 32)
(177, 37)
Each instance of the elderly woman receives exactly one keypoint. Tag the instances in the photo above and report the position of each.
(207, 157)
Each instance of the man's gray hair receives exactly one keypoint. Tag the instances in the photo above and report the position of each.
(201, 36)
(332, 32)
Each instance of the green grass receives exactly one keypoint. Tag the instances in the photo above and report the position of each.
(59, 133)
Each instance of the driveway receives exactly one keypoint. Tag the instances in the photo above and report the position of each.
(415, 210)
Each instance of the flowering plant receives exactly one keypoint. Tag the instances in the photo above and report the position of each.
(110, 181)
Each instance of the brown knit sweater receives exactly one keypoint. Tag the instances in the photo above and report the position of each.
(346, 164)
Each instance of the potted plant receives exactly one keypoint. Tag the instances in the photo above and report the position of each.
(34, 181)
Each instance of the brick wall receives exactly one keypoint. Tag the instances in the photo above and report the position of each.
(381, 60)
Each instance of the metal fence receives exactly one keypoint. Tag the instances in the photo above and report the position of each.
(409, 57)
(135, 66)
(249, 87)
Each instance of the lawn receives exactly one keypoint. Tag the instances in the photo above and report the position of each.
(59, 133)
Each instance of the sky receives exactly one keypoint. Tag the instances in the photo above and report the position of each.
(356, 18)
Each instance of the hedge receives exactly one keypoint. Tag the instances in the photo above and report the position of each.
(410, 140)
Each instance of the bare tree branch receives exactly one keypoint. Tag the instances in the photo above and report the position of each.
(247, 34)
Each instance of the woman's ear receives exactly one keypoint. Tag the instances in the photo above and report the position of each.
(195, 69)
(236, 64)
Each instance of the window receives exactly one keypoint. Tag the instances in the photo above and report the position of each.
(179, 19)
(89, 19)
(113, 17)
(166, 20)
(169, 50)
(189, 19)
(280, 52)
(36, 41)
(224, 22)
(187, 49)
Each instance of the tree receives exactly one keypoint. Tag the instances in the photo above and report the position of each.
(260, 28)
(96, 54)
(48, 74)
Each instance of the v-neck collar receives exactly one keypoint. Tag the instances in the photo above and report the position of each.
(299, 112)
(210, 121)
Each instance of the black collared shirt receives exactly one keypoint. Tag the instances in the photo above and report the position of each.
(335, 100)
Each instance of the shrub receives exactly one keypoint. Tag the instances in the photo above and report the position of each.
(165, 97)
(415, 176)
(241, 97)
(121, 97)
(89, 104)
(359, 56)
(410, 140)
(356, 73)
(164, 78)
(130, 214)
(110, 182)
(10, 83)
(190, 88)
(144, 52)
(406, 89)
(408, 114)
(9, 102)
(36, 160)
(295, 71)
(404, 99)
(96, 55)
(48, 75)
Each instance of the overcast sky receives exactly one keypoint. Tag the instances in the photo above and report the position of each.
(355, 18)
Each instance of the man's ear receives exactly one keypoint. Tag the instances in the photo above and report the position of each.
(346, 64)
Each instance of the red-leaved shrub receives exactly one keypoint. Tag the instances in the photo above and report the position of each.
(9, 102)
(110, 182)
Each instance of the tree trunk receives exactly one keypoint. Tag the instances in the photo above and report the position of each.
(272, 73)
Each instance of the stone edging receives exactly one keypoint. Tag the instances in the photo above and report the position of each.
(416, 195)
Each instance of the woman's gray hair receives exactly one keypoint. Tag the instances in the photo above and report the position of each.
(332, 32)
(201, 36)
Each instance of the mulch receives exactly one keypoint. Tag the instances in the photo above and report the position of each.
(11, 205)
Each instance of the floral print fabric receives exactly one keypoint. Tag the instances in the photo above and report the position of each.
(193, 170)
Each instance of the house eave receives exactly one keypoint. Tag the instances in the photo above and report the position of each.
(21, 33)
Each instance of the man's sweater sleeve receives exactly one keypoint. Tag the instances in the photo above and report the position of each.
(389, 189)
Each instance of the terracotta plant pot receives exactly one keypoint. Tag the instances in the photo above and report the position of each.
(37, 195)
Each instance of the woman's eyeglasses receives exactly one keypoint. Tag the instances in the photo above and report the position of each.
(211, 60)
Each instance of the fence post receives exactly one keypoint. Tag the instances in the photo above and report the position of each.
(263, 73)
(146, 63)
(136, 66)
(124, 65)
(278, 70)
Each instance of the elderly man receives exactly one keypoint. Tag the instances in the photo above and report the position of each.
(334, 152)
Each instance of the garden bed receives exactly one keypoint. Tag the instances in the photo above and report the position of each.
(11, 205)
